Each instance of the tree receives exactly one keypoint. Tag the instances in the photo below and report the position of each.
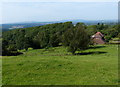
(68, 36)
(42, 39)
(54, 40)
(8, 49)
(4, 47)
(100, 26)
(91, 29)
(21, 41)
(77, 38)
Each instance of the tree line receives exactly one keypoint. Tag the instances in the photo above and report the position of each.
(75, 37)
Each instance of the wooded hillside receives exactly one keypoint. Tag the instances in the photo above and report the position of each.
(53, 35)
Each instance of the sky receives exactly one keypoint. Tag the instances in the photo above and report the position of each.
(54, 10)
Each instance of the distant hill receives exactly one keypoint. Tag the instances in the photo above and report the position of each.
(91, 22)
(6, 27)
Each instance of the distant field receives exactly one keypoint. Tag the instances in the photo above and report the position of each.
(55, 66)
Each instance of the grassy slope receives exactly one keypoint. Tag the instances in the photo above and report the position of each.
(0, 71)
(54, 67)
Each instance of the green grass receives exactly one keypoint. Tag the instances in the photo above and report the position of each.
(55, 66)
(0, 71)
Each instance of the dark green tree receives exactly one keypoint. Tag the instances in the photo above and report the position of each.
(42, 39)
(54, 40)
(77, 38)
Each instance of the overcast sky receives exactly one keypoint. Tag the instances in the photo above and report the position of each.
(51, 10)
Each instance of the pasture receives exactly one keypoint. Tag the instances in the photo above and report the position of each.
(55, 66)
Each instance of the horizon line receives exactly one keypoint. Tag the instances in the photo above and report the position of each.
(61, 21)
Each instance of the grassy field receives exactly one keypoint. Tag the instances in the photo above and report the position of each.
(55, 66)
(0, 71)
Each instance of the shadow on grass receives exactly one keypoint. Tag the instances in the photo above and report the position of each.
(89, 53)
(13, 54)
(16, 54)
(96, 47)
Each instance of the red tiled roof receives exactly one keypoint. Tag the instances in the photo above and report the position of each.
(98, 38)
(99, 33)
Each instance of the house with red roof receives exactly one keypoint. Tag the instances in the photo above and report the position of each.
(98, 38)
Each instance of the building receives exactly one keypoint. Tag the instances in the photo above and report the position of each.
(98, 38)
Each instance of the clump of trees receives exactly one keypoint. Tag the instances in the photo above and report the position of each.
(109, 31)
(52, 35)
(34, 37)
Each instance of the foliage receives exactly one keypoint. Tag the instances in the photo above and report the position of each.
(8, 49)
(53, 35)
(36, 37)
(110, 32)
(92, 29)
(77, 38)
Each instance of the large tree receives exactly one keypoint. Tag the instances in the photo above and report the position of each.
(76, 38)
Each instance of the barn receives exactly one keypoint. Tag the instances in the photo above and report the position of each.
(98, 38)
